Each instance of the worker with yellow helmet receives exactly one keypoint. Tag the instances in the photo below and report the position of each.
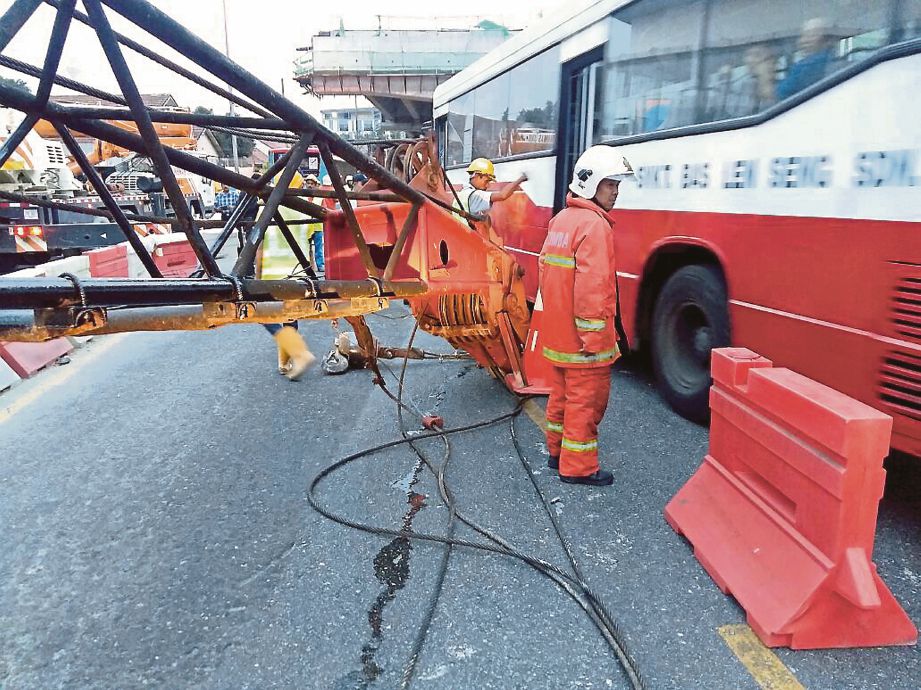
(475, 198)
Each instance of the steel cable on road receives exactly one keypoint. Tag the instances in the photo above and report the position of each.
(604, 618)
(573, 585)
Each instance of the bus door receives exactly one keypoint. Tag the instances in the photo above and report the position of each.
(580, 89)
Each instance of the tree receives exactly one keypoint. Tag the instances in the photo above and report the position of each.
(539, 117)
(16, 84)
(244, 145)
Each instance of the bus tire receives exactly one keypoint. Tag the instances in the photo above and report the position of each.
(690, 318)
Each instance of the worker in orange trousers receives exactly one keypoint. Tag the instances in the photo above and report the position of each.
(578, 288)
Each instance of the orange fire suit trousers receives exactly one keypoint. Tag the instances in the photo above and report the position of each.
(578, 400)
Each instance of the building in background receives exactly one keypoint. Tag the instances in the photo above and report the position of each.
(353, 123)
(207, 143)
(397, 70)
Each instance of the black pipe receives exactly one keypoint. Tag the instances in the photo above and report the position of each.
(33, 71)
(350, 219)
(52, 60)
(295, 247)
(21, 100)
(173, 34)
(151, 141)
(357, 196)
(181, 118)
(106, 196)
(52, 293)
(55, 48)
(245, 201)
(257, 232)
(172, 66)
(230, 224)
(16, 136)
(14, 19)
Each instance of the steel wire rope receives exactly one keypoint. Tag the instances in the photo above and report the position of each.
(574, 587)
(601, 616)
(598, 605)
(422, 633)
(563, 579)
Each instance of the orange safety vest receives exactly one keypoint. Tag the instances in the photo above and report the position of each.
(578, 288)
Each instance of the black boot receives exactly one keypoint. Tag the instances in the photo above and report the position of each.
(554, 463)
(599, 478)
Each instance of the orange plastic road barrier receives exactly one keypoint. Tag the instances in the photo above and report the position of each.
(174, 257)
(27, 358)
(782, 512)
(109, 262)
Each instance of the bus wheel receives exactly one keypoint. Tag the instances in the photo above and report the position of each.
(691, 317)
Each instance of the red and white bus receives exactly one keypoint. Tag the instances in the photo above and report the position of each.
(777, 201)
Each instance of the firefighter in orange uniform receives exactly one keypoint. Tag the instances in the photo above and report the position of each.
(580, 302)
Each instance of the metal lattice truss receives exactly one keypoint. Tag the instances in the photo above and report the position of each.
(59, 305)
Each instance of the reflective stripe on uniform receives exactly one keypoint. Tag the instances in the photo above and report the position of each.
(556, 427)
(581, 357)
(580, 446)
(559, 260)
(590, 324)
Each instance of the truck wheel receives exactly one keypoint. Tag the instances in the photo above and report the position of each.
(691, 317)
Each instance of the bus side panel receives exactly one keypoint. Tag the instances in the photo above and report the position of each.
(833, 355)
(832, 298)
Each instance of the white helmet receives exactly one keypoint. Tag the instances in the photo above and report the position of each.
(596, 164)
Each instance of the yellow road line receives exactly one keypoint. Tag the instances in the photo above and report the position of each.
(536, 413)
(58, 378)
(763, 665)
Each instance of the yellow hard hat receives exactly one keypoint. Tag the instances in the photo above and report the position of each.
(482, 165)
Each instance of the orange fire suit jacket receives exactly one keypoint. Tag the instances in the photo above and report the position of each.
(578, 288)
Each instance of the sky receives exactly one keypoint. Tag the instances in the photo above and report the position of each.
(263, 38)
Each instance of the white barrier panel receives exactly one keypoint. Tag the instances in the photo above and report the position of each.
(135, 267)
(7, 376)
(78, 265)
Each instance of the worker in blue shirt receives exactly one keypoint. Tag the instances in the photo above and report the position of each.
(225, 200)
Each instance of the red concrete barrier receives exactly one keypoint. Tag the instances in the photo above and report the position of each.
(109, 262)
(174, 257)
(27, 358)
(782, 512)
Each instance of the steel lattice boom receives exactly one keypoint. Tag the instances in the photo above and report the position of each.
(399, 237)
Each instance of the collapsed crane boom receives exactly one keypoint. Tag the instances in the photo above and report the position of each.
(403, 241)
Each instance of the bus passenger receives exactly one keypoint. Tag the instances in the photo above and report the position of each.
(816, 43)
(580, 303)
(474, 198)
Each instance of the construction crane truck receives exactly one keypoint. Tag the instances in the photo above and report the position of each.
(59, 216)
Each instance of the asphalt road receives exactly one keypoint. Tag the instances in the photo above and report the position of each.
(153, 502)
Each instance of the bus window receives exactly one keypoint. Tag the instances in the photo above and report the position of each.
(491, 118)
(800, 45)
(908, 21)
(648, 80)
(460, 130)
(512, 114)
(533, 104)
(673, 64)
